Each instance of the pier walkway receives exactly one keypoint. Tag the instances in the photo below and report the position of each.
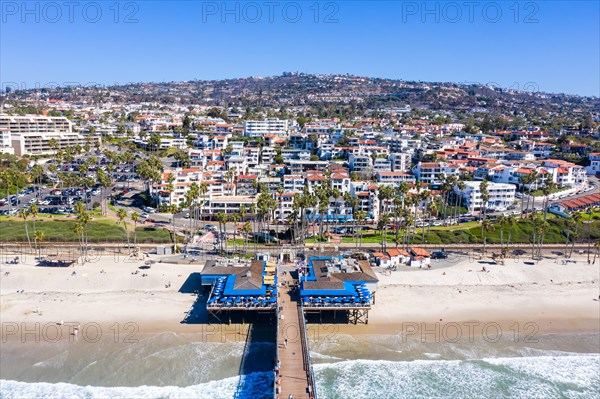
(295, 372)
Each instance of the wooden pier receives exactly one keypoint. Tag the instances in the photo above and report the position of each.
(295, 376)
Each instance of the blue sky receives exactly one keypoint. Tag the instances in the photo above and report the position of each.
(545, 45)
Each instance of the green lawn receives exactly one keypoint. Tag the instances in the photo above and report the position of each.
(62, 230)
(470, 233)
(147, 235)
(520, 232)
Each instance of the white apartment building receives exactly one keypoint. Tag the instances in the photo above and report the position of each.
(31, 134)
(39, 143)
(183, 180)
(360, 163)
(5, 144)
(394, 177)
(502, 195)
(400, 161)
(285, 206)
(434, 172)
(229, 204)
(340, 182)
(35, 124)
(275, 126)
(594, 167)
(566, 173)
(293, 183)
(267, 155)
(382, 164)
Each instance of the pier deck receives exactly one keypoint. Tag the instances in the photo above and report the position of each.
(294, 365)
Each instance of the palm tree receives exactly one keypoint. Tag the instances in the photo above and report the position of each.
(432, 211)
(597, 252)
(486, 227)
(502, 221)
(24, 214)
(83, 218)
(222, 218)
(425, 201)
(135, 218)
(105, 182)
(79, 231)
(170, 188)
(385, 193)
(485, 197)
(533, 178)
(461, 185)
(247, 230)
(191, 196)
(542, 228)
(382, 226)
(546, 190)
(38, 236)
(510, 222)
(360, 217)
(536, 222)
(577, 218)
(202, 190)
(407, 228)
(53, 143)
(235, 218)
(122, 214)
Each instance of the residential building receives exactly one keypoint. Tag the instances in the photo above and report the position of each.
(400, 161)
(433, 173)
(275, 126)
(594, 167)
(501, 195)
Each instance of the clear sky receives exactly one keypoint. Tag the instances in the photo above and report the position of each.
(548, 46)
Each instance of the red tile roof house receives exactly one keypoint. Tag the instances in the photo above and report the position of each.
(398, 256)
(419, 257)
(382, 260)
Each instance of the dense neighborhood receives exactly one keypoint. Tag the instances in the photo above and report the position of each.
(396, 168)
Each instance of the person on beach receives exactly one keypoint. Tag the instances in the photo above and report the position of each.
(285, 343)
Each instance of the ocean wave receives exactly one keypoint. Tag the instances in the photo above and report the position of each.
(569, 376)
(251, 386)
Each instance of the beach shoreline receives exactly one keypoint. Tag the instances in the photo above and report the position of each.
(552, 296)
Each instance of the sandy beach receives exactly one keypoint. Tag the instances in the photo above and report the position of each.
(557, 297)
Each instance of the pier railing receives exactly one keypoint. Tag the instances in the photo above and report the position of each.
(310, 376)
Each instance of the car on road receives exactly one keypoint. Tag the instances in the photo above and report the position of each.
(149, 209)
(144, 215)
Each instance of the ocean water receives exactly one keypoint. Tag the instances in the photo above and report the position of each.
(186, 366)
(569, 376)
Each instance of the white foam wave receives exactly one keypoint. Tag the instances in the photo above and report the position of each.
(572, 376)
(255, 385)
